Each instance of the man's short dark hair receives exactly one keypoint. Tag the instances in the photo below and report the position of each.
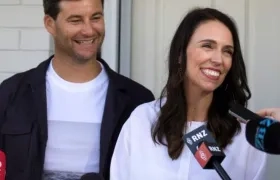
(51, 7)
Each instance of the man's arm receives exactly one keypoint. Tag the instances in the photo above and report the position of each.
(4, 99)
(5, 92)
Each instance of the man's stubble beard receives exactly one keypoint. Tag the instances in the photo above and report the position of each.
(80, 59)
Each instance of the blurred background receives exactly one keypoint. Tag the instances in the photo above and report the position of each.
(138, 34)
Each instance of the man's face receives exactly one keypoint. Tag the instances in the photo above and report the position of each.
(79, 29)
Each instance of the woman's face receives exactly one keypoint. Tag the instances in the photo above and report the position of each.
(209, 56)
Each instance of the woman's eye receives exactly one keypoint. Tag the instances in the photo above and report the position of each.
(207, 46)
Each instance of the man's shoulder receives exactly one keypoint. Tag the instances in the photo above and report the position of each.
(25, 76)
(10, 86)
(15, 79)
(134, 88)
(131, 83)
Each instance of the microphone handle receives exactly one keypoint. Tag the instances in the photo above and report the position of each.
(220, 170)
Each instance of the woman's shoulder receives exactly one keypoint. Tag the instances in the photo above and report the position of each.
(147, 112)
(141, 120)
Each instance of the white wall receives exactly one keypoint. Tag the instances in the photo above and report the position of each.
(154, 23)
(23, 41)
(264, 53)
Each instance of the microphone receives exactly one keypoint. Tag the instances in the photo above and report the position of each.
(242, 114)
(206, 150)
(91, 176)
(264, 135)
(261, 133)
(2, 165)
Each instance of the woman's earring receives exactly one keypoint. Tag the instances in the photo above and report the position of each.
(180, 72)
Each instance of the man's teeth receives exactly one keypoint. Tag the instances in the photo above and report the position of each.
(85, 42)
(211, 72)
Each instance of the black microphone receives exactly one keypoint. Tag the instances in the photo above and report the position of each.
(261, 133)
(264, 135)
(92, 176)
(206, 150)
(242, 114)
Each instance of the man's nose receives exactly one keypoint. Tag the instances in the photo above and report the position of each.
(87, 29)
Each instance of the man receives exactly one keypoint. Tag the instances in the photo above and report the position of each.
(61, 119)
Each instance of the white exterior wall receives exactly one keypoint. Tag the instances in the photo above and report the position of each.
(23, 40)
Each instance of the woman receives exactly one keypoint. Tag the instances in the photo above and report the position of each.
(206, 74)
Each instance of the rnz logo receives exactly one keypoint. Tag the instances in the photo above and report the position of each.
(189, 141)
(199, 135)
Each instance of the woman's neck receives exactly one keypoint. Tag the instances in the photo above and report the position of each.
(198, 104)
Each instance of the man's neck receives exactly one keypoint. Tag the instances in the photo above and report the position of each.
(70, 71)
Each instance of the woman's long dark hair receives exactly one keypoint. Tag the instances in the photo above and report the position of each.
(168, 130)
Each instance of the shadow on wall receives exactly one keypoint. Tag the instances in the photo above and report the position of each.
(51, 46)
